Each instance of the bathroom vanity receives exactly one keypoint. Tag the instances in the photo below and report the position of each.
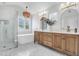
(65, 36)
(64, 42)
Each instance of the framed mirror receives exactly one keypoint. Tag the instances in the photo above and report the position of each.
(69, 20)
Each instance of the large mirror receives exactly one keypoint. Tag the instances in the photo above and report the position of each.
(69, 19)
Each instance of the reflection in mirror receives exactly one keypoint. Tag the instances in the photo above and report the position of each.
(69, 20)
(46, 21)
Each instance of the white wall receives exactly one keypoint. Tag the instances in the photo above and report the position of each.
(35, 22)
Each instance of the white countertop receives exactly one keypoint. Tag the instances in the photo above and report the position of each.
(63, 32)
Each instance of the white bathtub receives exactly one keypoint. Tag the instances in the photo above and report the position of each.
(25, 38)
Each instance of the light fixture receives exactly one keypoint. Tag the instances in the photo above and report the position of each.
(43, 13)
(26, 13)
(67, 5)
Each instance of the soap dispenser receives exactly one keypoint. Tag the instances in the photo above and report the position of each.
(75, 30)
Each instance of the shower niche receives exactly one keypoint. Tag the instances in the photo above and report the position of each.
(8, 28)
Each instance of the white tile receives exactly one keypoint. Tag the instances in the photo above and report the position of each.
(30, 49)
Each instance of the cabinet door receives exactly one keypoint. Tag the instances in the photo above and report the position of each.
(46, 43)
(70, 44)
(36, 36)
(48, 39)
(41, 38)
(58, 42)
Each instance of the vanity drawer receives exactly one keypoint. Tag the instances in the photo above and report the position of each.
(48, 37)
(57, 34)
(69, 35)
(49, 44)
(47, 34)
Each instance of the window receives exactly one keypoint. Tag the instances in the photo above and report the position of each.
(25, 25)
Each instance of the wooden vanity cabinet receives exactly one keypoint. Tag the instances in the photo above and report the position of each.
(65, 43)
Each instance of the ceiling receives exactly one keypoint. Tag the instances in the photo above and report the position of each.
(33, 6)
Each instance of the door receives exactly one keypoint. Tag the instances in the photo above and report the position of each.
(2, 33)
(41, 38)
(70, 44)
(36, 36)
(8, 27)
(48, 39)
(58, 42)
(6, 35)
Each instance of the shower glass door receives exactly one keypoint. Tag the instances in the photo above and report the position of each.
(6, 35)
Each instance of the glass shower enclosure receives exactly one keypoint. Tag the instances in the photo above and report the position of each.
(8, 27)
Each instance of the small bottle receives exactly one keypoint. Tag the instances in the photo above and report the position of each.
(68, 28)
(75, 30)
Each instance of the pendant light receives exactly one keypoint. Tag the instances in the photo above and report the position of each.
(26, 13)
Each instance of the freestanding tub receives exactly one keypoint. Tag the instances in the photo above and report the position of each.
(25, 38)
